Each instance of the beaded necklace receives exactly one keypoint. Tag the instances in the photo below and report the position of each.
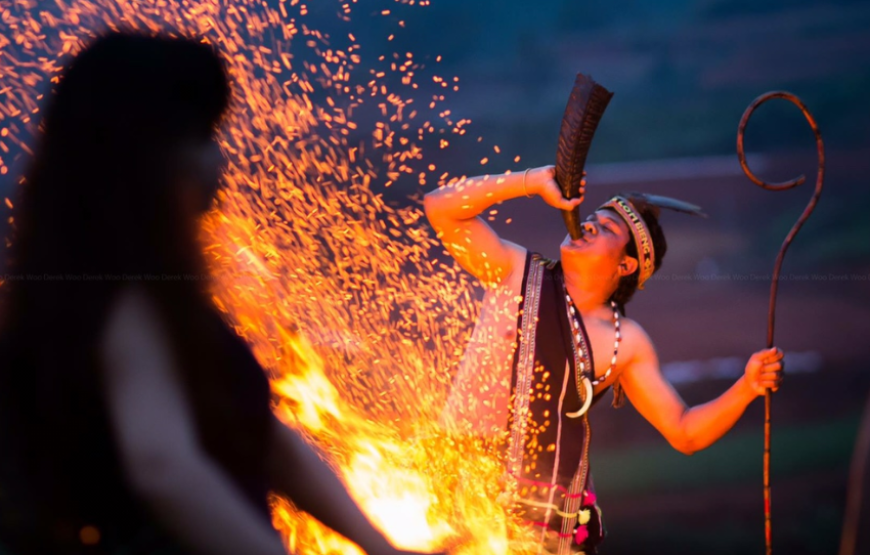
(580, 342)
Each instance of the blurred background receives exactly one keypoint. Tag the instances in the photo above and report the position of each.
(682, 73)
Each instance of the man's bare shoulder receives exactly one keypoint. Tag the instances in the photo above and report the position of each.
(518, 255)
(635, 338)
(513, 280)
(639, 354)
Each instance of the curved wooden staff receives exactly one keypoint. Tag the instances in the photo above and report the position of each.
(773, 286)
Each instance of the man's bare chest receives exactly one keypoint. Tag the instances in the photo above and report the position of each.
(608, 353)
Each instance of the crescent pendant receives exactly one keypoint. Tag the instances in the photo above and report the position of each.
(587, 384)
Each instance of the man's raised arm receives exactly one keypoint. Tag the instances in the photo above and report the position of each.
(454, 210)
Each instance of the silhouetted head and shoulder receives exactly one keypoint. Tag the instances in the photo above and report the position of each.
(125, 163)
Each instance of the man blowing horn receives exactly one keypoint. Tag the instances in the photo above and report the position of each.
(552, 338)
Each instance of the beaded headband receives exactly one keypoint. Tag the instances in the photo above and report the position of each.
(642, 238)
(640, 233)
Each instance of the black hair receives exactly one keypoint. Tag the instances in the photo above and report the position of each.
(99, 193)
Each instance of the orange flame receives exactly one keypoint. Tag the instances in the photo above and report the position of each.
(338, 292)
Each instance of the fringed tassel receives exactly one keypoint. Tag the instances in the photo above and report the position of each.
(618, 395)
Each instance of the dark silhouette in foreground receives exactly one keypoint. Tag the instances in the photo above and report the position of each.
(132, 419)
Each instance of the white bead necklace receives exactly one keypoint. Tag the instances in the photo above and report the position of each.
(580, 342)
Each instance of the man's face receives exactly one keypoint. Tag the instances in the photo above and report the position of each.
(602, 245)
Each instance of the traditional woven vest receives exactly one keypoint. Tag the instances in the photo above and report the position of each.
(548, 452)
